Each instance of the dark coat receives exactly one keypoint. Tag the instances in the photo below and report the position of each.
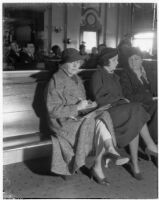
(128, 118)
(75, 135)
(27, 61)
(135, 91)
(13, 58)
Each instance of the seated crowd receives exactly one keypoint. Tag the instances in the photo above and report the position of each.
(121, 111)
(21, 58)
(27, 56)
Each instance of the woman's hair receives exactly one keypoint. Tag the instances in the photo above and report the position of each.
(107, 53)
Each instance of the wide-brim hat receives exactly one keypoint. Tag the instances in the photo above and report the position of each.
(106, 54)
(71, 55)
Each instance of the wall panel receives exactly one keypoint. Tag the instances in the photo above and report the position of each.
(58, 21)
(73, 24)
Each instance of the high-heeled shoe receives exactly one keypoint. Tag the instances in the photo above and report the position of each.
(151, 153)
(97, 179)
(116, 159)
(136, 175)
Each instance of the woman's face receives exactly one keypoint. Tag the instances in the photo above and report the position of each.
(135, 62)
(113, 62)
(73, 68)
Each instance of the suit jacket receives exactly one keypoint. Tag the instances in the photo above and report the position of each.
(27, 61)
(13, 58)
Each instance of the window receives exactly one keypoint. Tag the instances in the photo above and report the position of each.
(144, 41)
(90, 39)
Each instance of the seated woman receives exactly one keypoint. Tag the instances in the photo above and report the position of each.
(75, 137)
(129, 119)
(136, 87)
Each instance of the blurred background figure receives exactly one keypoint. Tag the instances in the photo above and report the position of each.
(56, 50)
(93, 59)
(84, 54)
(94, 51)
(54, 59)
(82, 50)
(13, 57)
(123, 48)
(28, 57)
(101, 47)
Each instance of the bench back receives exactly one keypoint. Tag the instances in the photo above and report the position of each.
(24, 111)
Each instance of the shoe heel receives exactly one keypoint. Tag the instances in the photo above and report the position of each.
(148, 154)
(151, 153)
(149, 157)
(137, 176)
(116, 159)
(98, 180)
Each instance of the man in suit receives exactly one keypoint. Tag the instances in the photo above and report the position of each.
(27, 57)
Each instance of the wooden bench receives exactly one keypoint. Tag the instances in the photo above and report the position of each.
(25, 131)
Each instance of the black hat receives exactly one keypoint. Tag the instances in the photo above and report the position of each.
(134, 51)
(71, 55)
(106, 54)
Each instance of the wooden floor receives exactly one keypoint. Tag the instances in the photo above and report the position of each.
(33, 180)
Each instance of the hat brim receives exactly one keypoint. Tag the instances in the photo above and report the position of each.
(74, 59)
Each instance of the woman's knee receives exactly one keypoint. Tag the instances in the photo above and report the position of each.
(102, 131)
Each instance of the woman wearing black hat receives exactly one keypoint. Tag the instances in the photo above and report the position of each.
(137, 88)
(129, 119)
(77, 136)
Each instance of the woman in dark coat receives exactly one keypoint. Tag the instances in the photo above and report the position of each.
(75, 137)
(129, 119)
(136, 87)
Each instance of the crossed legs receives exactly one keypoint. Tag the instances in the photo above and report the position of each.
(103, 144)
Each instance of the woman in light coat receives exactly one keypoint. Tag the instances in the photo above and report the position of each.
(74, 136)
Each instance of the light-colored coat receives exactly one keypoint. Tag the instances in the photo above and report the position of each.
(73, 139)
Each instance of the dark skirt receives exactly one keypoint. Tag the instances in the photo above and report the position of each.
(128, 120)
